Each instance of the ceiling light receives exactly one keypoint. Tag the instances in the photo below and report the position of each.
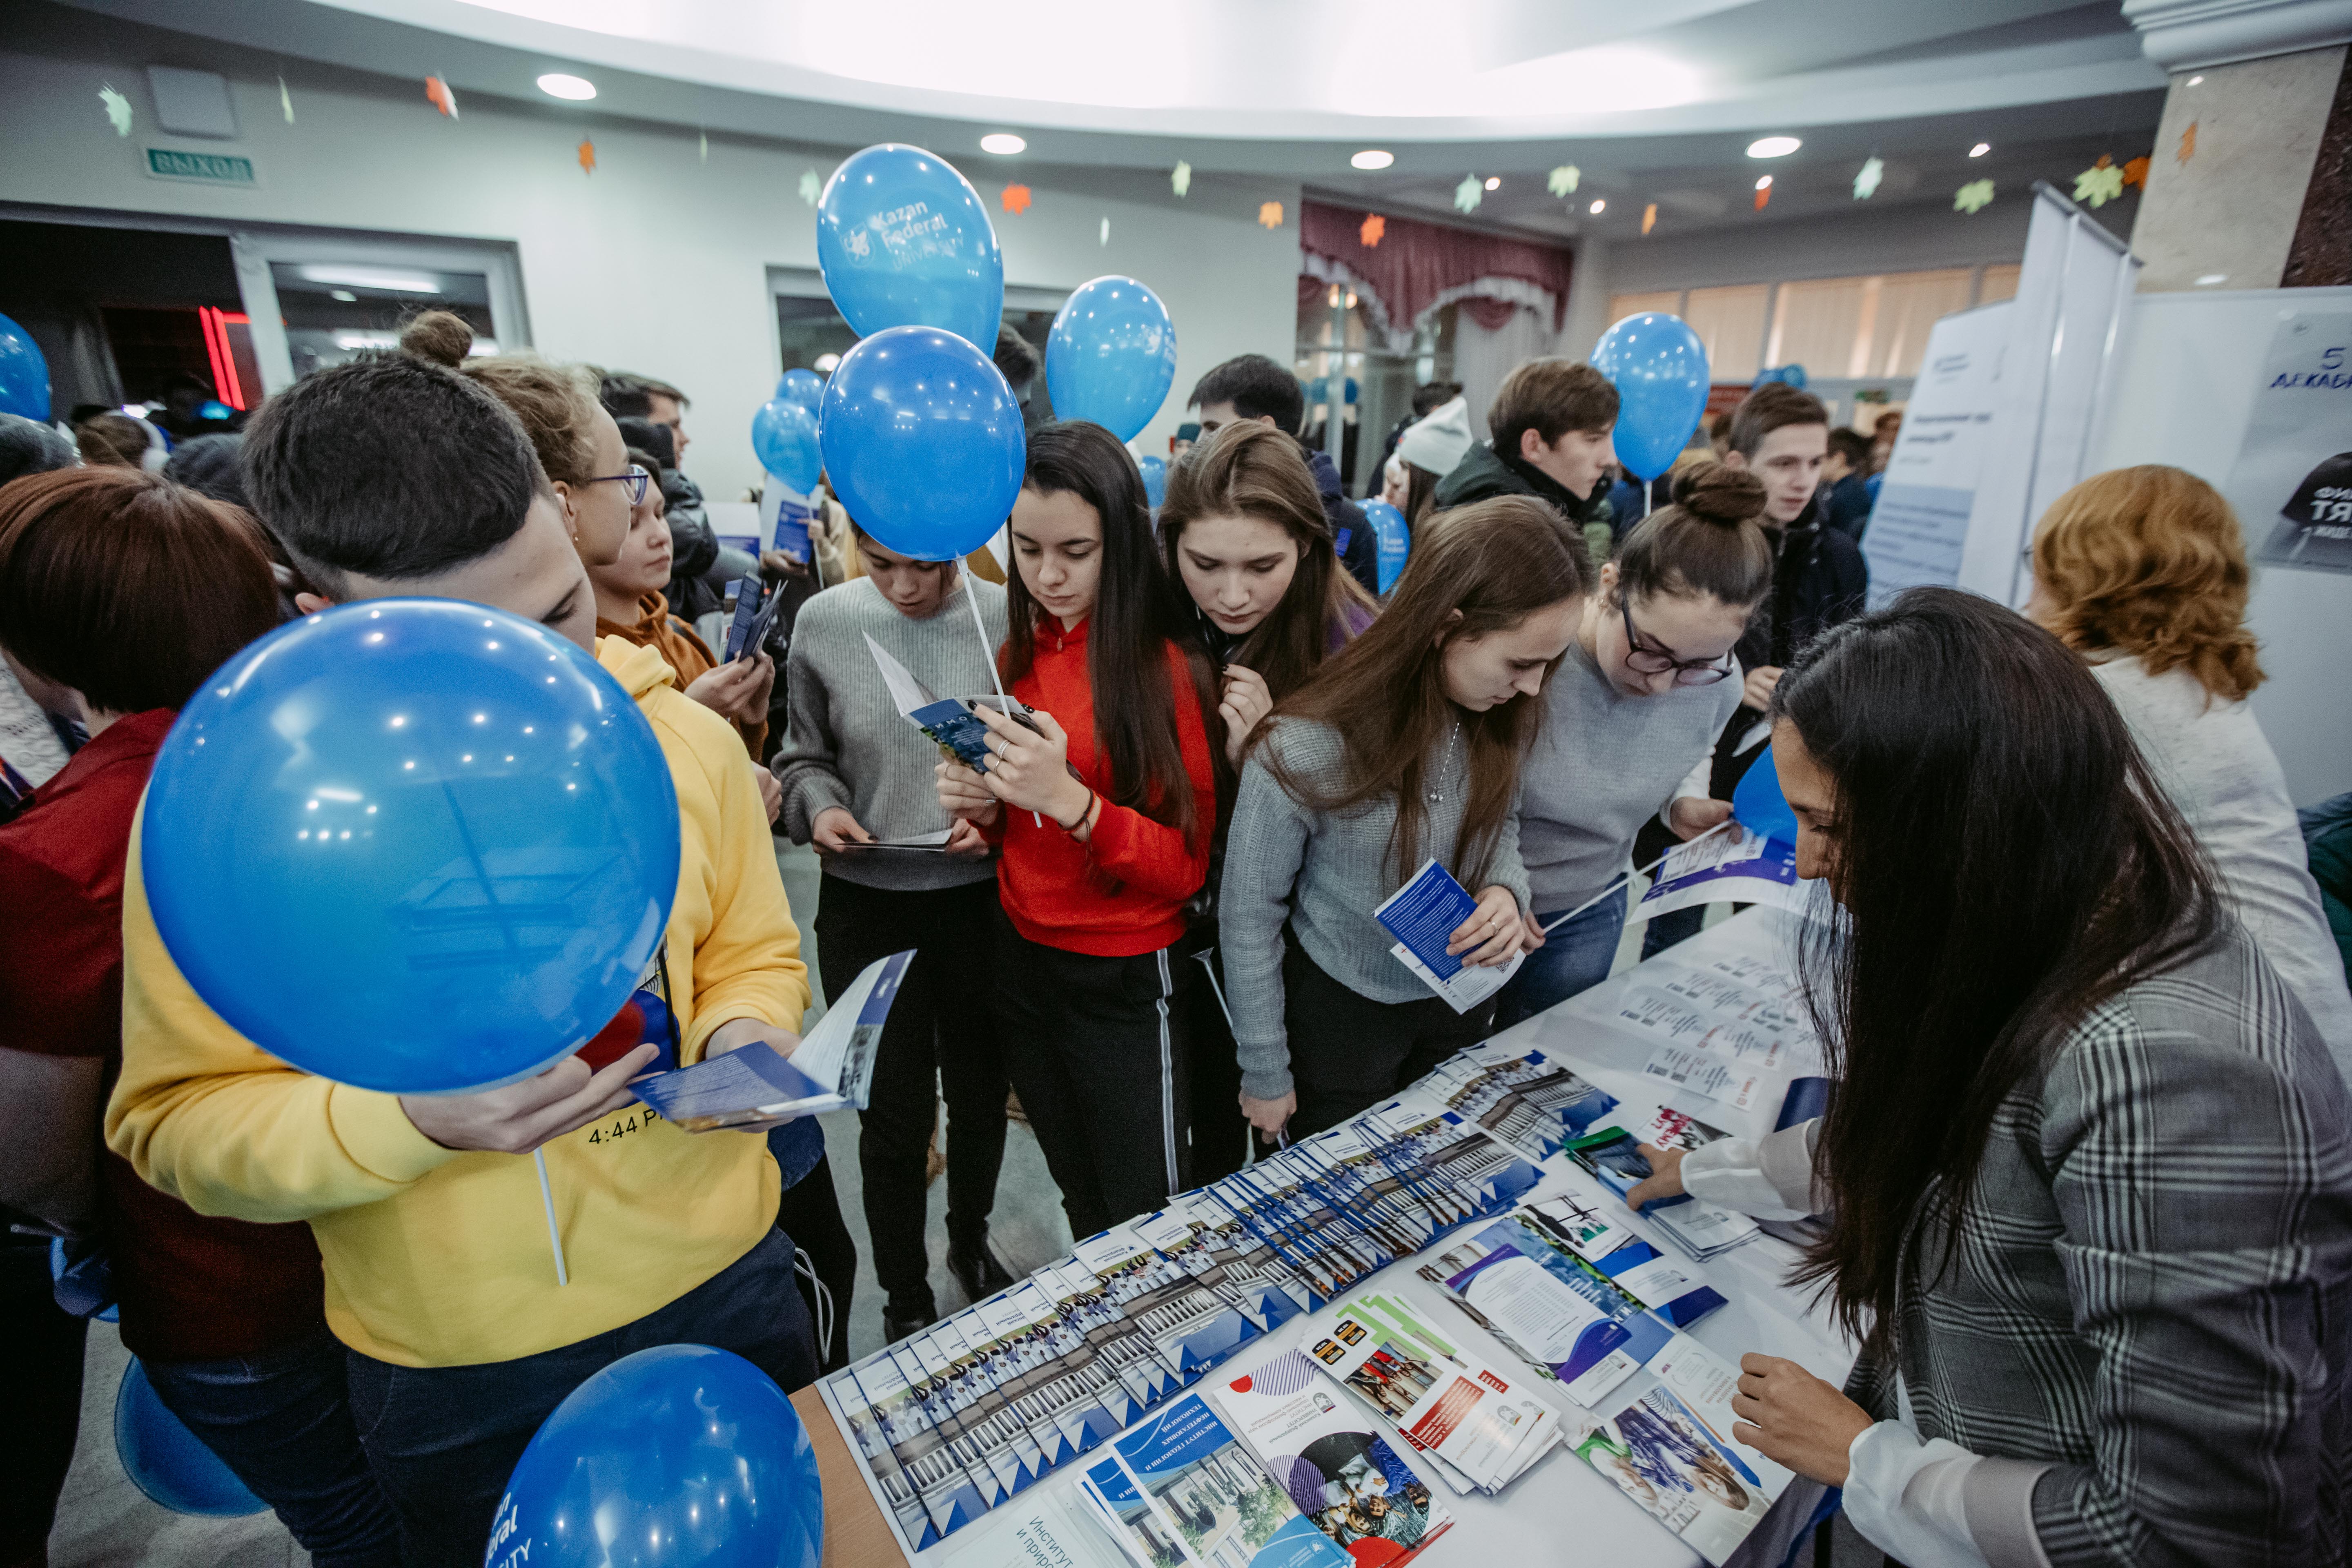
(557, 84)
(2210, 279)
(1981, 149)
(2194, 80)
(1773, 146)
(1598, 207)
(1004, 141)
(1765, 183)
(1373, 158)
(1494, 182)
(826, 363)
(367, 278)
(345, 295)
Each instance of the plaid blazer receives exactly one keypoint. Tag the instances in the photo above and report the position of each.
(2151, 1291)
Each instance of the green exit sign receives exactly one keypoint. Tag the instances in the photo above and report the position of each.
(206, 168)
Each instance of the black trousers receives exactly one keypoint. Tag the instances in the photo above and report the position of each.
(45, 1348)
(941, 1039)
(1348, 1052)
(1096, 1046)
(1220, 1131)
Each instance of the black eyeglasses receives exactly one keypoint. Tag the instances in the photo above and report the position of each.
(1656, 661)
(636, 478)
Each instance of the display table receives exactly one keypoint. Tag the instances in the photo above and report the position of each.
(1560, 1501)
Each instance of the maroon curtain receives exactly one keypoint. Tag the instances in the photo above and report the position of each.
(1414, 262)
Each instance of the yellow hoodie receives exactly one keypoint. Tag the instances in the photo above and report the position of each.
(436, 1257)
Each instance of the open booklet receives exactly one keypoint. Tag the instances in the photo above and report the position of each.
(1423, 915)
(831, 1067)
(950, 721)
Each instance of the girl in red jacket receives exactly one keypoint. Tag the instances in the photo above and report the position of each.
(1105, 812)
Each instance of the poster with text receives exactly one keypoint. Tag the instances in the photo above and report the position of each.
(2292, 484)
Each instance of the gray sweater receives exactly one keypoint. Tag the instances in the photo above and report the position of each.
(846, 744)
(1324, 873)
(1603, 765)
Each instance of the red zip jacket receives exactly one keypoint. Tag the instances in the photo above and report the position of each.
(1052, 886)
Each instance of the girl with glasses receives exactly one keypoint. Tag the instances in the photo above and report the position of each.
(1631, 721)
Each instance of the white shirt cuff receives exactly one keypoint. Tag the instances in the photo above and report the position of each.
(1766, 1178)
(1905, 1497)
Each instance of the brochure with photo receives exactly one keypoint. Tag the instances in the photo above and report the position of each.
(831, 1070)
(1719, 868)
(890, 1483)
(949, 721)
(1548, 1307)
(1124, 1352)
(1221, 1506)
(1529, 1101)
(1448, 1152)
(1198, 1251)
(942, 1371)
(1468, 1412)
(1268, 1288)
(1626, 1258)
(1699, 1228)
(949, 1495)
(1053, 1527)
(1662, 1457)
(1300, 1224)
(1192, 1326)
(1332, 1460)
(1423, 915)
(1050, 1374)
(964, 1338)
(1704, 1382)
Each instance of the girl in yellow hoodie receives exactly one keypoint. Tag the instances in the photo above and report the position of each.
(439, 1276)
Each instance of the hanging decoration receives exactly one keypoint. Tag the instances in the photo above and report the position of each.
(1974, 197)
(1106, 234)
(285, 100)
(1563, 180)
(1468, 194)
(702, 142)
(1375, 229)
(118, 108)
(2100, 184)
(587, 157)
(1866, 178)
(1015, 199)
(1648, 217)
(1269, 214)
(1180, 178)
(810, 186)
(2188, 144)
(1763, 192)
(438, 94)
(2135, 171)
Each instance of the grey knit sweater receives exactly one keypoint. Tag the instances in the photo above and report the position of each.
(1324, 873)
(846, 744)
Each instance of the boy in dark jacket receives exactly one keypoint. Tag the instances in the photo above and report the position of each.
(1551, 421)
(1253, 386)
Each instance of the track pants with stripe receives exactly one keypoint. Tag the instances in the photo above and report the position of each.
(1095, 1050)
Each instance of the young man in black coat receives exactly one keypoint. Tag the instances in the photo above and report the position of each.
(1552, 423)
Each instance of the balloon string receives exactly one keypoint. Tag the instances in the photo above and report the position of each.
(547, 1198)
(1625, 876)
(989, 654)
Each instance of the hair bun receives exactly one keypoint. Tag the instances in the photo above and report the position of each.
(1719, 493)
(442, 337)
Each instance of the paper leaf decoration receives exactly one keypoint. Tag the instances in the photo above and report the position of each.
(702, 144)
(1269, 214)
(587, 157)
(2100, 184)
(1648, 217)
(118, 109)
(1375, 229)
(2188, 144)
(1974, 197)
(1763, 195)
(2135, 171)
(1866, 178)
(1106, 234)
(1014, 200)
(438, 94)
(1468, 194)
(810, 186)
(285, 100)
(1564, 178)
(1180, 178)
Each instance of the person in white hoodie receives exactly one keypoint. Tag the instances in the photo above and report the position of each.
(1426, 453)
(2143, 572)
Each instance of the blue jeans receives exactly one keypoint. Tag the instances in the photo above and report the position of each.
(444, 1439)
(1574, 958)
(282, 1422)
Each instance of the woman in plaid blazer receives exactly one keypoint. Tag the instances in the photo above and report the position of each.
(2088, 1171)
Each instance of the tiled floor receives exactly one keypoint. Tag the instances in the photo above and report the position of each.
(104, 1521)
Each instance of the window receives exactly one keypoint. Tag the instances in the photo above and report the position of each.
(1730, 323)
(1999, 283)
(1669, 302)
(334, 312)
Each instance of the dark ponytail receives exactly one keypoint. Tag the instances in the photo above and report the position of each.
(1707, 545)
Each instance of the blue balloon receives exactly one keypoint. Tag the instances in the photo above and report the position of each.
(678, 1456)
(167, 1461)
(904, 241)
(414, 845)
(1659, 367)
(23, 373)
(804, 387)
(1759, 803)
(923, 442)
(1110, 356)
(783, 433)
(1394, 537)
(1155, 477)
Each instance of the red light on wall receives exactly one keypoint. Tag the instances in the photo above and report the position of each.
(217, 348)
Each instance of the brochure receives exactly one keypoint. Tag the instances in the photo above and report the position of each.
(1198, 1250)
(1055, 1527)
(1699, 1228)
(1302, 1227)
(1705, 1074)
(1552, 1309)
(948, 1353)
(932, 1369)
(1704, 1382)
(1664, 1457)
(921, 843)
(896, 1491)
(745, 638)
(1125, 1354)
(1192, 1326)
(1268, 1288)
(1527, 1100)
(1423, 915)
(1722, 869)
(833, 1066)
(949, 721)
(1051, 1377)
(1486, 1174)
(1625, 1259)
(1471, 1413)
(1219, 1507)
(1332, 1460)
(949, 1496)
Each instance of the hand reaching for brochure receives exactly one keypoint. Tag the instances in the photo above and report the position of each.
(1246, 701)
(834, 830)
(1032, 768)
(1270, 1116)
(1691, 816)
(1494, 930)
(1795, 1418)
(1665, 1180)
(517, 1117)
(965, 843)
(962, 795)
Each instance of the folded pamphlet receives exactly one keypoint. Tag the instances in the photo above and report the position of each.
(950, 721)
(1181, 1481)
(833, 1066)
(747, 634)
(1423, 915)
(1192, 1326)
(1611, 1154)
(1527, 1100)
(1665, 1458)
(1722, 869)
(1549, 1307)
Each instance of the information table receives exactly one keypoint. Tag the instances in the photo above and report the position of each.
(1560, 1503)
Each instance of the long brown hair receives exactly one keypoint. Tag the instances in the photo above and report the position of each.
(1478, 569)
(1249, 469)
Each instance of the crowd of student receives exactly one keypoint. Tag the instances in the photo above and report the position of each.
(2089, 1164)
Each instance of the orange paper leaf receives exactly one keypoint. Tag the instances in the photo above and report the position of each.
(2136, 172)
(1375, 229)
(1648, 217)
(1762, 197)
(438, 94)
(1015, 199)
(2188, 144)
(587, 157)
(2106, 161)
(1269, 214)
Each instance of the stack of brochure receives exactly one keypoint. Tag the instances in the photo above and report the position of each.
(1533, 1104)
(1179, 1488)
(1611, 1152)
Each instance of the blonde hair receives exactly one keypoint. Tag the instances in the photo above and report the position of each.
(556, 403)
(2150, 562)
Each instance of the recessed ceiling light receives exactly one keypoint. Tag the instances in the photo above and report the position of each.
(1765, 183)
(1598, 207)
(1981, 149)
(1004, 141)
(2194, 80)
(1773, 146)
(2210, 279)
(345, 295)
(557, 84)
(1494, 182)
(1373, 158)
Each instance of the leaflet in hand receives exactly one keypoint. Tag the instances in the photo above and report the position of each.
(1185, 1491)
(833, 1066)
(1339, 1471)
(950, 721)
(1665, 1458)
(754, 616)
(1721, 868)
(1423, 915)
(1474, 1416)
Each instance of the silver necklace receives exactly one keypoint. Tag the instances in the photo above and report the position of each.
(1437, 796)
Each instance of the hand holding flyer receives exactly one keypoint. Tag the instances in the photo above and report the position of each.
(832, 1069)
(1423, 915)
